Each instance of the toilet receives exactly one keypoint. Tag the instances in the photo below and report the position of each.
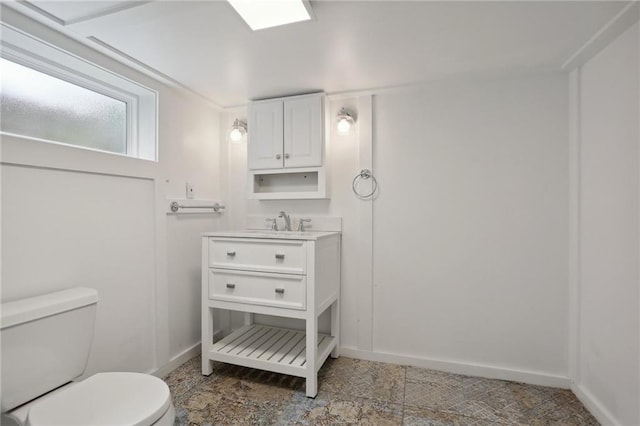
(46, 342)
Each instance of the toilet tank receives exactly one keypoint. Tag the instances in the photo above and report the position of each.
(45, 342)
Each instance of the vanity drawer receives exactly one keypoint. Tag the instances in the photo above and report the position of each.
(282, 256)
(278, 290)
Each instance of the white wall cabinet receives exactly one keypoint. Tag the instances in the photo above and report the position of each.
(303, 131)
(265, 138)
(294, 277)
(286, 132)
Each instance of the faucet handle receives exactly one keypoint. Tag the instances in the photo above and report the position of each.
(274, 223)
(301, 224)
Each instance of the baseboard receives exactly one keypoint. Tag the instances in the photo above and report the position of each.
(522, 376)
(183, 357)
(177, 361)
(591, 403)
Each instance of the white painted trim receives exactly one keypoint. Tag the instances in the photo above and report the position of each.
(593, 405)
(31, 152)
(490, 372)
(35, 9)
(177, 361)
(427, 84)
(638, 228)
(365, 232)
(289, 98)
(133, 63)
(102, 13)
(160, 289)
(86, 17)
(183, 357)
(438, 82)
(628, 16)
(574, 224)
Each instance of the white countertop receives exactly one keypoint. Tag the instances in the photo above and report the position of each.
(278, 235)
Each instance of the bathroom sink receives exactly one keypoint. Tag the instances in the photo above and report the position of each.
(267, 233)
(270, 232)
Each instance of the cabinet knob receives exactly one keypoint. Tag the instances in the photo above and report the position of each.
(280, 256)
(278, 156)
(286, 156)
(280, 290)
(231, 253)
(231, 286)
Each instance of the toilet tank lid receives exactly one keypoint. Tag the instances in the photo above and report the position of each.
(24, 310)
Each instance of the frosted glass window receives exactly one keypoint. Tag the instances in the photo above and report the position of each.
(37, 105)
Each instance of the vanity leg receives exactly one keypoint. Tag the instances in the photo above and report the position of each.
(335, 327)
(248, 318)
(312, 357)
(207, 340)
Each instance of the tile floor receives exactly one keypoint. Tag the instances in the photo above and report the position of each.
(364, 392)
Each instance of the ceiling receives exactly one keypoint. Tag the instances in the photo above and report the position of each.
(350, 45)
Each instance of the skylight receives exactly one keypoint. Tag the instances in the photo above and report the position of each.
(260, 14)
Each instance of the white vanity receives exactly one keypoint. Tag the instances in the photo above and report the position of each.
(281, 273)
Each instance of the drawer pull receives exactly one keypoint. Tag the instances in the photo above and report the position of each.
(280, 290)
(231, 253)
(229, 285)
(280, 256)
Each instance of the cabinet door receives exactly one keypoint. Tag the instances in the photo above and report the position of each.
(265, 135)
(303, 131)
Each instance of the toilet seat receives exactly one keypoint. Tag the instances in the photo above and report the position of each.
(114, 399)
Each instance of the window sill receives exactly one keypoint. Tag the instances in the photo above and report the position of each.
(35, 153)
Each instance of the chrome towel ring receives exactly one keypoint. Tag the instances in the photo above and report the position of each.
(364, 175)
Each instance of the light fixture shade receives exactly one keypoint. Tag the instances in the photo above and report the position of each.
(345, 121)
(238, 130)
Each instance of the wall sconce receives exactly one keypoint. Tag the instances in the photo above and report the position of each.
(345, 121)
(238, 130)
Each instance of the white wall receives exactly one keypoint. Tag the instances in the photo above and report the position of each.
(193, 154)
(469, 230)
(607, 296)
(62, 229)
(76, 217)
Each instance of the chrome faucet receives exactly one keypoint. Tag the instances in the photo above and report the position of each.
(301, 224)
(287, 220)
(274, 224)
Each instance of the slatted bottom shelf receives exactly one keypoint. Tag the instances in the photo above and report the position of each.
(270, 348)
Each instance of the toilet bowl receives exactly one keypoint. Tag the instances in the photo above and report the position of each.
(109, 399)
(39, 390)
